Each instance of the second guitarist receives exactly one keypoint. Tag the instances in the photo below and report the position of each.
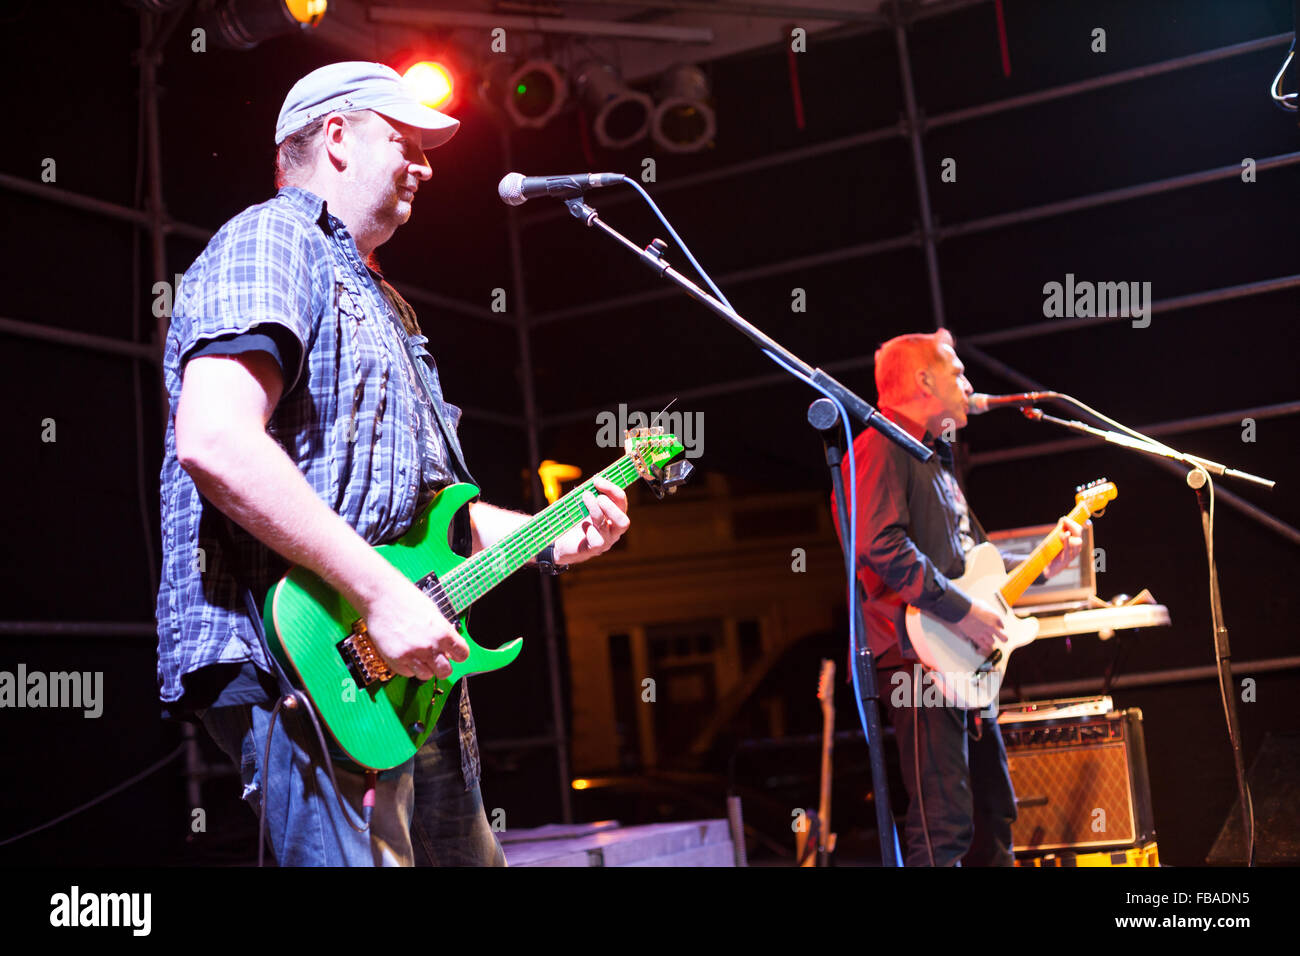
(913, 532)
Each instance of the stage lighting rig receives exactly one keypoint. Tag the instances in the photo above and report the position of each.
(243, 24)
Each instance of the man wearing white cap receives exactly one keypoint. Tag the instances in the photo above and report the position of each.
(305, 409)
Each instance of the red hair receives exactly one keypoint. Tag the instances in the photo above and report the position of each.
(898, 359)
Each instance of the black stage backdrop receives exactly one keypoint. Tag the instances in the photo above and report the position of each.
(78, 541)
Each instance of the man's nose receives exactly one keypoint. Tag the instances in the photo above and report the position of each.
(421, 169)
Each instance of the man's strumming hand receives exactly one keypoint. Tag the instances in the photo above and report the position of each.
(982, 625)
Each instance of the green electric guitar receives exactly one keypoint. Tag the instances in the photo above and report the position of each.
(379, 718)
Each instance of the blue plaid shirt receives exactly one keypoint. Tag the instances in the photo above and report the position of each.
(352, 416)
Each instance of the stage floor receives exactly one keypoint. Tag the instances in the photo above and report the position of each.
(606, 843)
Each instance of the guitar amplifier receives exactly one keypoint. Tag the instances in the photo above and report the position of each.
(1080, 774)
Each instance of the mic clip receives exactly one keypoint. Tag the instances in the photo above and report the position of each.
(580, 210)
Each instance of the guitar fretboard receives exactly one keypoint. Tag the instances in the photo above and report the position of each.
(1027, 572)
(469, 581)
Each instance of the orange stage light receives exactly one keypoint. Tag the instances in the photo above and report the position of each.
(552, 473)
(307, 12)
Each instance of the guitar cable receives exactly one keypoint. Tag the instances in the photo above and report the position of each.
(294, 701)
(916, 770)
(852, 490)
(289, 699)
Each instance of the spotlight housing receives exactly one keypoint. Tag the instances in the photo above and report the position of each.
(684, 121)
(622, 114)
(534, 93)
(243, 24)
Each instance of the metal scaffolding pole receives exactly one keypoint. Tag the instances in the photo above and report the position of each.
(546, 583)
(727, 8)
(96, 343)
(1109, 79)
(1222, 494)
(153, 33)
(147, 629)
(948, 232)
(1090, 685)
(1093, 200)
(740, 275)
(1161, 306)
(802, 153)
(173, 227)
(1053, 326)
(918, 168)
(1177, 427)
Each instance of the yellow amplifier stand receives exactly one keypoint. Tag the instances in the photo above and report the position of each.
(1133, 856)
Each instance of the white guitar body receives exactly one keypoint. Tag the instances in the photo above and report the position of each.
(967, 679)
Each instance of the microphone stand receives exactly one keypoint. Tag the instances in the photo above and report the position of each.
(653, 257)
(1198, 479)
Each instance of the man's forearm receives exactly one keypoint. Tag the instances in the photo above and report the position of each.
(250, 478)
(897, 560)
(490, 524)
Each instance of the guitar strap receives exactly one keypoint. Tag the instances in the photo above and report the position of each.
(413, 339)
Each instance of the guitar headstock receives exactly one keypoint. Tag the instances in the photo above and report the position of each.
(826, 686)
(1096, 495)
(651, 450)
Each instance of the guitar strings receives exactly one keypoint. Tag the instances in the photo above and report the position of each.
(477, 575)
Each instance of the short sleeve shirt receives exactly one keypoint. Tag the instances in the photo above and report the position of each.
(352, 416)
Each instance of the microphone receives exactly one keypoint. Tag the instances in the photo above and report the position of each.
(980, 403)
(516, 189)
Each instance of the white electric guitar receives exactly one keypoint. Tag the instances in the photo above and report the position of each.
(967, 677)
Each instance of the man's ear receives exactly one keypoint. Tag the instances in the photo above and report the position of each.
(335, 134)
(924, 380)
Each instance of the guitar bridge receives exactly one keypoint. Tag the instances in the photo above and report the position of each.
(362, 658)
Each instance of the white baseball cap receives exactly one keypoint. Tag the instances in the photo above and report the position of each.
(357, 85)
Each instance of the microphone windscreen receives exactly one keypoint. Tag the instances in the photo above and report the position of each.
(511, 189)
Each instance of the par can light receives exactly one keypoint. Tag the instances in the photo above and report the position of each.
(684, 121)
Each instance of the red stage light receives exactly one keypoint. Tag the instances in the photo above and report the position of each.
(433, 82)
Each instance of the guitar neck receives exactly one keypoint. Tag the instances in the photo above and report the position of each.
(469, 581)
(1027, 572)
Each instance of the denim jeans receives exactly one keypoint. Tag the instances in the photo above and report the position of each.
(449, 826)
(423, 813)
(306, 825)
(966, 784)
